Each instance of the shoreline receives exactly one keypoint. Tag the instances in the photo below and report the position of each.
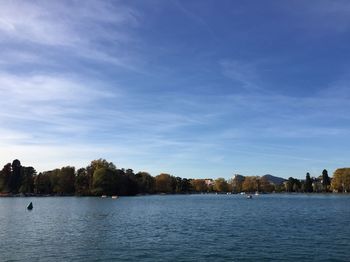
(11, 195)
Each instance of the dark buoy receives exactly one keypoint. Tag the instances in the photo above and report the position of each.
(30, 206)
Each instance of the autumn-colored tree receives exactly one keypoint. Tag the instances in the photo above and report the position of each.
(199, 185)
(164, 183)
(250, 184)
(265, 186)
(341, 180)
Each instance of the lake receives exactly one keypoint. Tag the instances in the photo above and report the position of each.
(278, 227)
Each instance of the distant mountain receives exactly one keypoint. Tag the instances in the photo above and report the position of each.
(274, 179)
(239, 178)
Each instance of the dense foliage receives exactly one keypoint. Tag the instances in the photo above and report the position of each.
(101, 177)
(341, 180)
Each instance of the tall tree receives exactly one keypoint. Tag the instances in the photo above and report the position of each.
(16, 176)
(67, 180)
(237, 183)
(27, 183)
(185, 185)
(128, 182)
(104, 182)
(96, 164)
(325, 181)
(5, 175)
(308, 183)
(182, 185)
(54, 177)
(145, 182)
(293, 185)
(42, 184)
(82, 182)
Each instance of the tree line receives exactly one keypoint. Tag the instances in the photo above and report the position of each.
(101, 177)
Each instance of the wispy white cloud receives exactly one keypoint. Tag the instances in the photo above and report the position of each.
(63, 24)
(245, 75)
(319, 18)
(192, 15)
(47, 157)
(76, 28)
(52, 109)
(44, 88)
(329, 15)
(42, 106)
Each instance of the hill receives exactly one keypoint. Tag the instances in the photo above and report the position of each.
(274, 179)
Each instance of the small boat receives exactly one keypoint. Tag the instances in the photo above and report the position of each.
(114, 197)
(103, 196)
(257, 193)
(30, 206)
(249, 196)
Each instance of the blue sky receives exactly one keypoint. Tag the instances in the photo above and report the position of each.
(192, 88)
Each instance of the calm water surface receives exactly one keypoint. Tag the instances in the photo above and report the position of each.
(177, 228)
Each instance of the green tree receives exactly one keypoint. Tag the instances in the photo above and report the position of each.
(325, 181)
(220, 185)
(308, 183)
(82, 182)
(237, 183)
(62, 180)
(294, 185)
(67, 180)
(145, 183)
(127, 182)
(178, 185)
(5, 175)
(16, 176)
(27, 183)
(54, 177)
(96, 164)
(104, 182)
(185, 185)
(289, 184)
(42, 184)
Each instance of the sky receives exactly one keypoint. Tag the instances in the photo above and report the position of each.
(195, 89)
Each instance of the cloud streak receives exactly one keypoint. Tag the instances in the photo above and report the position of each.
(83, 80)
(76, 28)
